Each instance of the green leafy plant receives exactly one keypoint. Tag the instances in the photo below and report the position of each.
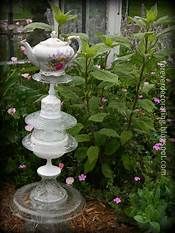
(149, 204)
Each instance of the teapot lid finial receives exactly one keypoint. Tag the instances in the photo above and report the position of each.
(53, 34)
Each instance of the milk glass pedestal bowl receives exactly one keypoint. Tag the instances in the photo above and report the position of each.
(48, 204)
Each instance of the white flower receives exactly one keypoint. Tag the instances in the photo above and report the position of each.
(26, 76)
(69, 180)
(28, 21)
(11, 111)
(14, 59)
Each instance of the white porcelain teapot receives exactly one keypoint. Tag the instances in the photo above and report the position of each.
(52, 55)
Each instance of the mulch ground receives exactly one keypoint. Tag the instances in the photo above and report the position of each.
(96, 218)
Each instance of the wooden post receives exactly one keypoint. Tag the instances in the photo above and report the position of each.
(10, 31)
(114, 17)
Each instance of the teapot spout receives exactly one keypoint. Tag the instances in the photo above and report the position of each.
(29, 52)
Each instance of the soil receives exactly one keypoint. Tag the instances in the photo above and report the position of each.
(96, 218)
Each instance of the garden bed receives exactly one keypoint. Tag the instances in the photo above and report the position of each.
(96, 218)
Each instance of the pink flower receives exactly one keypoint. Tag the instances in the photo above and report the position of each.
(28, 21)
(26, 76)
(136, 178)
(29, 128)
(61, 165)
(22, 166)
(14, 59)
(156, 100)
(117, 200)
(59, 66)
(157, 146)
(82, 177)
(69, 180)
(11, 111)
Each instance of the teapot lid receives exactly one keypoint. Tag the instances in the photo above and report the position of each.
(53, 41)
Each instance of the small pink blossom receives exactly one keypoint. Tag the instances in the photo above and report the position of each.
(26, 76)
(29, 128)
(61, 165)
(69, 180)
(157, 146)
(136, 178)
(28, 21)
(11, 111)
(82, 177)
(117, 200)
(14, 59)
(22, 166)
(156, 100)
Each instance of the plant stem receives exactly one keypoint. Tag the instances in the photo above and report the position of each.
(137, 93)
(86, 84)
(138, 85)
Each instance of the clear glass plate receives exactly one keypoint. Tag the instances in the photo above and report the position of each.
(65, 121)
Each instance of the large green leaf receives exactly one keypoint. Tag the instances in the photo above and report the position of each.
(37, 25)
(82, 138)
(94, 104)
(76, 129)
(155, 226)
(99, 117)
(108, 132)
(141, 22)
(125, 136)
(81, 153)
(92, 154)
(67, 93)
(147, 105)
(106, 170)
(166, 30)
(77, 81)
(144, 124)
(101, 48)
(99, 139)
(141, 219)
(111, 146)
(164, 20)
(119, 106)
(128, 162)
(104, 75)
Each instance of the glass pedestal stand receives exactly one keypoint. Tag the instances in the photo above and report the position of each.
(48, 205)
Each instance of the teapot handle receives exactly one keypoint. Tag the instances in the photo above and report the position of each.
(79, 44)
